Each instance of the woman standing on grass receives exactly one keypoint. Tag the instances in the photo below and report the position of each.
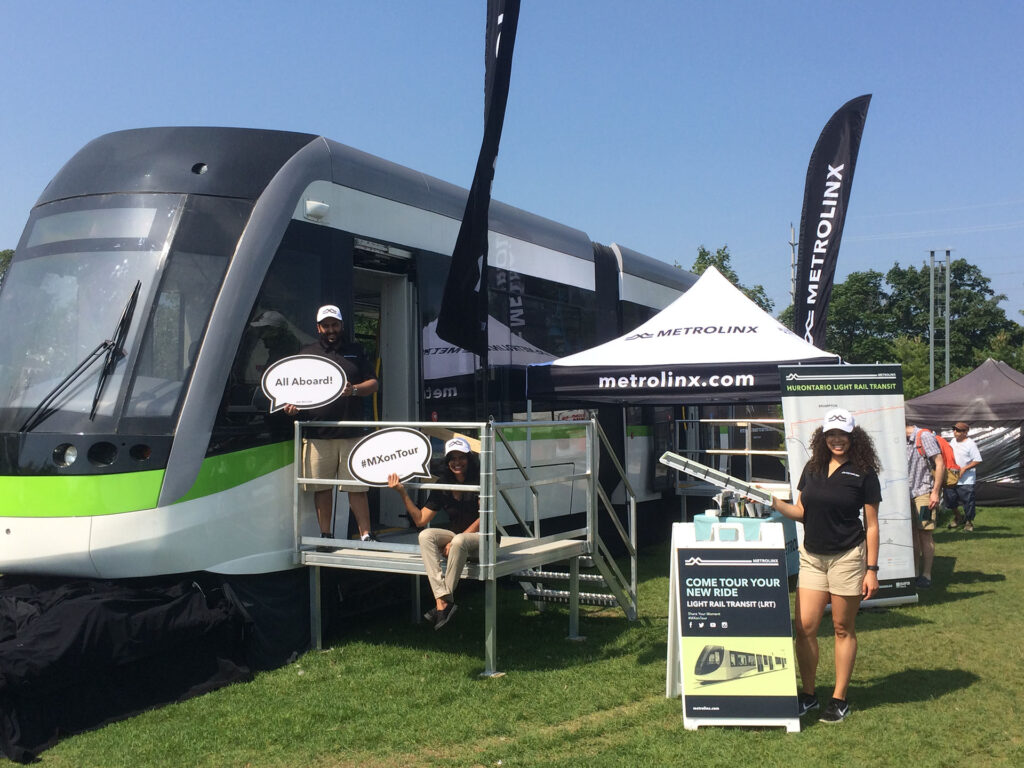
(839, 556)
(457, 542)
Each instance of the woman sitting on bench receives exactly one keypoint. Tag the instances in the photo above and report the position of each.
(460, 539)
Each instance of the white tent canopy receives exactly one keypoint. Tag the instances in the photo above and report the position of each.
(710, 344)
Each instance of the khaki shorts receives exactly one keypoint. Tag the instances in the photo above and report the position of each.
(928, 524)
(327, 459)
(841, 574)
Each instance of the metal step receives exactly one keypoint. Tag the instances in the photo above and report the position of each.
(537, 575)
(563, 596)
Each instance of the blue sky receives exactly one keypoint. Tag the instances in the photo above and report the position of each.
(658, 125)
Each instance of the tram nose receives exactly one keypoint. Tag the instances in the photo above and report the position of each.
(46, 545)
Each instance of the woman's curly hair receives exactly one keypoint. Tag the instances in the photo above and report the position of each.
(862, 452)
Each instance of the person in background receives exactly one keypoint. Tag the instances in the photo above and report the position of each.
(967, 455)
(457, 542)
(839, 556)
(325, 450)
(926, 471)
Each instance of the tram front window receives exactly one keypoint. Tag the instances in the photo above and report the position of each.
(66, 291)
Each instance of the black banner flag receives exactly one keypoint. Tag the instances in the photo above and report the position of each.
(463, 316)
(826, 195)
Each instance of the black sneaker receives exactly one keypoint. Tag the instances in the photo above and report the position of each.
(443, 617)
(835, 712)
(805, 703)
(430, 615)
(922, 582)
(323, 549)
(368, 537)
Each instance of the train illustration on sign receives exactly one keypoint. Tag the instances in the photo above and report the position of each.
(716, 664)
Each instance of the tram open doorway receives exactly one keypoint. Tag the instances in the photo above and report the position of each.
(384, 323)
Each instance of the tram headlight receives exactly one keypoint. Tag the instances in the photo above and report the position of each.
(64, 455)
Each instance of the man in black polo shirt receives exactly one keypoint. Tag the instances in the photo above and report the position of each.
(325, 450)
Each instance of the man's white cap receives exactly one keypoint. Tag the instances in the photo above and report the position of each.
(328, 310)
(838, 418)
(459, 444)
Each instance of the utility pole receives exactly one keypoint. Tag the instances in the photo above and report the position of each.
(931, 318)
(792, 265)
(946, 308)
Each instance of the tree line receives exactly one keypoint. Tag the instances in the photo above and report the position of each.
(883, 318)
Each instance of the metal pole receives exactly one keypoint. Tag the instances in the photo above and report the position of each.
(931, 324)
(487, 553)
(792, 264)
(947, 316)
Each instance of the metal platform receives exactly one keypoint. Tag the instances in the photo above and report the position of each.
(513, 556)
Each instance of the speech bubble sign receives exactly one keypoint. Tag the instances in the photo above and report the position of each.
(305, 381)
(401, 450)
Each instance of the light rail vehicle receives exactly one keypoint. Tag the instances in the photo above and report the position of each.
(163, 269)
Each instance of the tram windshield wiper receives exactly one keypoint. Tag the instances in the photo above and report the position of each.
(114, 351)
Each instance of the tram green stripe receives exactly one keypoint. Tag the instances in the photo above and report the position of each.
(219, 473)
(95, 495)
(568, 432)
(79, 495)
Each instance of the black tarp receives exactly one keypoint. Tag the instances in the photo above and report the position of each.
(75, 655)
(991, 400)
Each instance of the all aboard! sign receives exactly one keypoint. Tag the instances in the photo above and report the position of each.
(305, 381)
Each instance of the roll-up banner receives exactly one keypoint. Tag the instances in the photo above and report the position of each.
(463, 316)
(826, 195)
(874, 395)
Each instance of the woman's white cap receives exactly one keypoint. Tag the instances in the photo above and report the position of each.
(459, 444)
(838, 418)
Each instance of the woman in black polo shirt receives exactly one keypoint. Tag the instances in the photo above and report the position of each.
(839, 556)
(460, 539)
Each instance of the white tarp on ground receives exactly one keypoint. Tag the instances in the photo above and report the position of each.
(710, 344)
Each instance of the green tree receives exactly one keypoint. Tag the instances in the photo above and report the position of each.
(912, 354)
(722, 261)
(976, 320)
(875, 318)
(859, 327)
(5, 262)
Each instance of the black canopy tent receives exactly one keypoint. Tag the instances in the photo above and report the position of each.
(712, 344)
(991, 400)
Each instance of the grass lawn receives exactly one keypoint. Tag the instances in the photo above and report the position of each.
(936, 684)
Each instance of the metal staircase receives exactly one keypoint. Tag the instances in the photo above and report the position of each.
(603, 583)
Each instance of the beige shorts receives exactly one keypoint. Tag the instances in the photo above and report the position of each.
(841, 574)
(327, 459)
(928, 524)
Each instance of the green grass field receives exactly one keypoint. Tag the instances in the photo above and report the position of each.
(936, 684)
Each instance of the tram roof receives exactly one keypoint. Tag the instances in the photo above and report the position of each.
(241, 162)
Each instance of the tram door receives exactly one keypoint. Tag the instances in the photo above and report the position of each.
(384, 313)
